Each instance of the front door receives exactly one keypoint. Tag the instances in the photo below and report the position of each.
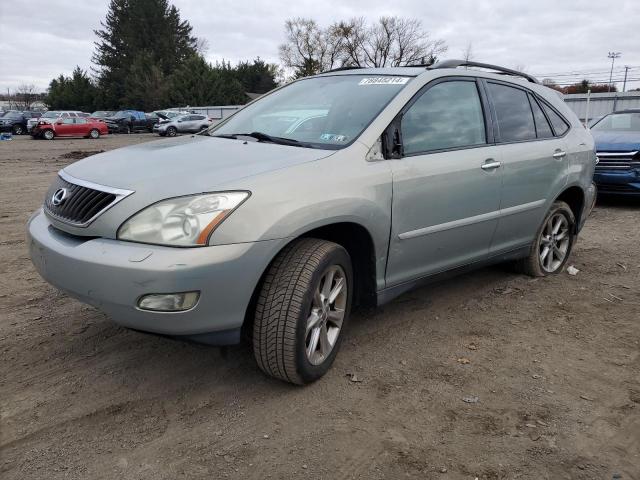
(65, 127)
(447, 185)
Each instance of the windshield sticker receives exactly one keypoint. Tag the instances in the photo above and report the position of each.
(333, 137)
(384, 81)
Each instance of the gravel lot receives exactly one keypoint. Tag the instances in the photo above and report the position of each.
(554, 364)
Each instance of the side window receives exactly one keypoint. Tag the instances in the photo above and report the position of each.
(198, 117)
(68, 121)
(542, 124)
(447, 115)
(81, 120)
(515, 119)
(559, 124)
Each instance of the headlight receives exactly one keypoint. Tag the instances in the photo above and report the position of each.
(182, 221)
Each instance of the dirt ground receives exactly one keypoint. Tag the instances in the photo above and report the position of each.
(554, 364)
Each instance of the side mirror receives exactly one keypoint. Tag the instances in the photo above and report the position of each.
(59, 122)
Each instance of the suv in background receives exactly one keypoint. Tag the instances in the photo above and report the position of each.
(16, 122)
(407, 174)
(128, 121)
(617, 137)
(189, 123)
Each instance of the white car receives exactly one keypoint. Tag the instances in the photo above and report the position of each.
(189, 123)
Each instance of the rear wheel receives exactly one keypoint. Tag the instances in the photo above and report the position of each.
(303, 306)
(553, 243)
(48, 134)
(94, 133)
(171, 132)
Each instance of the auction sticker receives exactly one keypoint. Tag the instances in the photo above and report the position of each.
(384, 81)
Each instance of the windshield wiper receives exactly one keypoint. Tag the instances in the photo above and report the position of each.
(263, 137)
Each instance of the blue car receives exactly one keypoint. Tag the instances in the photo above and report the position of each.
(617, 138)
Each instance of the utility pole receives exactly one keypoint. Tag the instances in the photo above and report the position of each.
(612, 56)
(624, 85)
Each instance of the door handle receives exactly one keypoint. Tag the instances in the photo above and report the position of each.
(559, 154)
(490, 164)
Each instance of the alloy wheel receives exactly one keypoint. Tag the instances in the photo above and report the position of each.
(554, 243)
(327, 315)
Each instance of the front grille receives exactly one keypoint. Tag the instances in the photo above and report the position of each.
(615, 160)
(81, 204)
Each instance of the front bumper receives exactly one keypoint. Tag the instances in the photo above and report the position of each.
(112, 275)
(619, 182)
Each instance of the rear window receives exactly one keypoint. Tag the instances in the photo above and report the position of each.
(560, 126)
(515, 119)
(543, 128)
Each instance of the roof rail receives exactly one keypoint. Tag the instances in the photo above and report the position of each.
(467, 63)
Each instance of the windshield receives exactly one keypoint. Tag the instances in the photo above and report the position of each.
(619, 122)
(323, 112)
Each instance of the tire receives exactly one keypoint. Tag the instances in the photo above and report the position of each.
(291, 299)
(48, 134)
(94, 133)
(128, 130)
(171, 132)
(537, 264)
(18, 129)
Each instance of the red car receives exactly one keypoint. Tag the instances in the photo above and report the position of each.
(70, 127)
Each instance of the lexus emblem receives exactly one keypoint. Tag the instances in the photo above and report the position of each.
(59, 196)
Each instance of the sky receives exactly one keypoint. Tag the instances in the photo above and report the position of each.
(548, 38)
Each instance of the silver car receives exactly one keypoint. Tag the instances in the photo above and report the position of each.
(339, 190)
(190, 123)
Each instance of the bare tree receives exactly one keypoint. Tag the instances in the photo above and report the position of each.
(389, 42)
(25, 96)
(308, 49)
(467, 53)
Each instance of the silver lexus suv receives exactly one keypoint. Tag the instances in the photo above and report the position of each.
(347, 188)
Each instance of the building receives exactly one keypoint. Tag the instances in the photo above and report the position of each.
(600, 104)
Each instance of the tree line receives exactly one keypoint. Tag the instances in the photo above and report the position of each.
(146, 57)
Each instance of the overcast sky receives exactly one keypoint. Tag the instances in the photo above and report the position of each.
(44, 39)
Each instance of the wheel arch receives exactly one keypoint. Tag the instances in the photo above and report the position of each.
(573, 196)
(356, 240)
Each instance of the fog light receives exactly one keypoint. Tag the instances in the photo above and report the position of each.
(169, 302)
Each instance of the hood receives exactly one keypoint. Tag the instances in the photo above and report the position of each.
(187, 165)
(616, 141)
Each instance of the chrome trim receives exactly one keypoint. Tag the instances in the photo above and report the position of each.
(616, 154)
(95, 186)
(463, 222)
(120, 194)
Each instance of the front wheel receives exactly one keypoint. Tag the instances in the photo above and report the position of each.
(94, 133)
(48, 134)
(18, 129)
(302, 309)
(172, 132)
(553, 243)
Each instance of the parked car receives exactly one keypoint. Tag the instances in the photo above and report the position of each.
(617, 137)
(70, 127)
(128, 121)
(102, 114)
(16, 122)
(51, 116)
(190, 123)
(412, 173)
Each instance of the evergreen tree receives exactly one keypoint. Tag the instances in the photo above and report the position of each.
(140, 38)
(76, 92)
(258, 76)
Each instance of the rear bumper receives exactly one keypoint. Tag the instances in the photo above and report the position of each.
(112, 275)
(625, 182)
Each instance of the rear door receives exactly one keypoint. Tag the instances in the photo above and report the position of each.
(534, 163)
(81, 127)
(446, 186)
